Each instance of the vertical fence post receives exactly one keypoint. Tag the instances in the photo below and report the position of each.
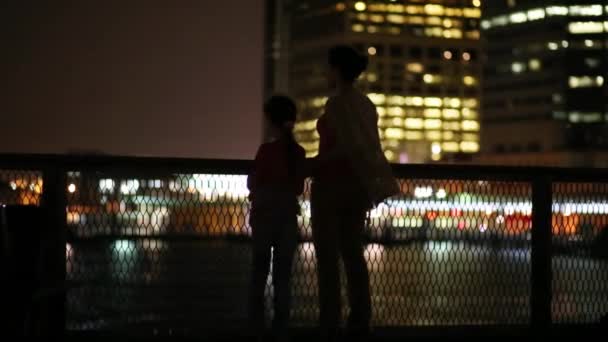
(54, 201)
(540, 300)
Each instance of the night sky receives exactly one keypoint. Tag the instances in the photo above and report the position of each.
(183, 79)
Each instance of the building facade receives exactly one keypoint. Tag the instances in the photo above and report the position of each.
(424, 73)
(545, 82)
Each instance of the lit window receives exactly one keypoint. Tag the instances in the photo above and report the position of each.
(392, 143)
(592, 62)
(536, 14)
(340, 7)
(394, 133)
(395, 19)
(583, 27)
(372, 29)
(485, 24)
(376, 18)
(453, 102)
(500, 20)
(396, 100)
(372, 77)
(470, 125)
(470, 103)
(447, 54)
(584, 117)
(517, 67)
(360, 6)
(472, 12)
(377, 7)
(428, 78)
(469, 80)
(415, 67)
(469, 114)
(574, 117)
(453, 12)
(470, 136)
(417, 20)
(434, 31)
(565, 44)
(381, 111)
(413, 135)
(519, 17)
(358, 28)
(414, 9)
(390, 155)
(453, 33)
(557, 98)
(451, 113)
(434, 9)
(433, 135)
(395, 8)
(466, 56)
(469, 146)
(414, 123)
(585, 81)
(447, 23)
(451, 125)
(396, 111)
(450, 146)
(433, 102)
(534, 64)
(557, 10)
(589, 43)
(552, 46)
(433, 21)
(372, 51)
(432, 124)
(394, 30)
(448, 135)
(511, 3)
(414, 101)
(397, 122)
(377, 99)
(474, 35)
(432, 113)
(589, 10)
(477, 3)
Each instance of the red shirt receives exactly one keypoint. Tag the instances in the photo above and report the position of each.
(270, 167)
(332, 169)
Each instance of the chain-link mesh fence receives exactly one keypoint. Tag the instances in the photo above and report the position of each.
(580, 258)
(172, 251)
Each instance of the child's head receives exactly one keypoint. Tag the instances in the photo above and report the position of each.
(280, 112)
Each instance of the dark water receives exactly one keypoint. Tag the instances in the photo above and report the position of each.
(194, 285)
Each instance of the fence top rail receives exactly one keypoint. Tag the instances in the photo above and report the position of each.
(129, 165)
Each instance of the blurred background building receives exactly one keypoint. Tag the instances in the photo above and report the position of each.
(424, 73)
(545, 83)
(543, 63)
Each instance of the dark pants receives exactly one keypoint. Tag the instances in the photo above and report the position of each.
(275, 229)
(338, 220)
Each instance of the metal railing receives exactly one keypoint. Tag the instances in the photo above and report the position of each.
(153, 244)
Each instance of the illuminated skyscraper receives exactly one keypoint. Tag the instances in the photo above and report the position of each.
(545, 82)
(424, 72)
